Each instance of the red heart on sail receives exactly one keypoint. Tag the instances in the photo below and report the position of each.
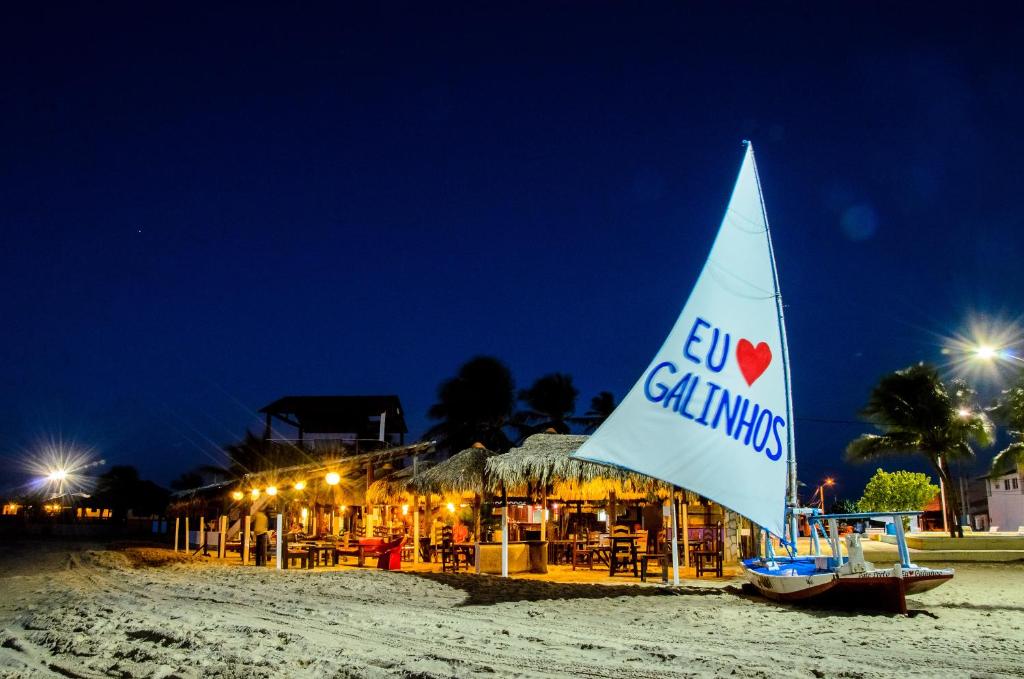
(753, 360)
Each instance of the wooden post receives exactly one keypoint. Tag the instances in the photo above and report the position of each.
(476, 551)
(544, 513)
(202, 532)
(222, 541)
(416, 533)
(675, 542)
(686, 532)
(177, 530)
(245, 540)
(611, 512)
(369, 482)
(188, 538)
(280, 539)
(428, 520)
(504, 533)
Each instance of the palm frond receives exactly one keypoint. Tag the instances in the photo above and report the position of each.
(869, 447)
(1008, 460)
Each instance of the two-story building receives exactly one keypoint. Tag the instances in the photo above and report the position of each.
(1006, 500)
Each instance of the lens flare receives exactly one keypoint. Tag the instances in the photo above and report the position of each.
(983, 349)
(61, 468)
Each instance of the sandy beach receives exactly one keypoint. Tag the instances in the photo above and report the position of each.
(81, 611)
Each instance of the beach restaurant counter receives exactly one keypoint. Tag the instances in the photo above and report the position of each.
(524, 556)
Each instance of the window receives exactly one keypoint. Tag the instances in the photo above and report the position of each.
(1006, 484)
(1014, 481)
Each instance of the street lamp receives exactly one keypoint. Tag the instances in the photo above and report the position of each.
(985, 352)
(829, 482)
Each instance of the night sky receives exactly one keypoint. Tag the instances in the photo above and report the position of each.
(206, 208)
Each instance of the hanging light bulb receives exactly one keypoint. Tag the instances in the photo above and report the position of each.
(299, 485)
(332, 478)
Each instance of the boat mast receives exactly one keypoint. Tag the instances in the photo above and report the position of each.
(791, 496)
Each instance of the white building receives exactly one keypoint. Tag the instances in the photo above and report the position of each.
(1006, 500)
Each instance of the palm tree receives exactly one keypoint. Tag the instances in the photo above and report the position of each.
(474, 406)
(917, 413)
(550, 403)
(601, 407)
(121, 489)
(1010, 411)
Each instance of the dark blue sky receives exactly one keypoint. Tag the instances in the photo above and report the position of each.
(204, 209)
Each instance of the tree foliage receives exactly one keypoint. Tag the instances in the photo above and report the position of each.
(120, 489)
(474, 406)
(899, 491)
(601, 408)
(550, 403)
(918, 414)
(1010, 411)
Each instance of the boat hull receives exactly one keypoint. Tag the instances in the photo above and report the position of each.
(798, 580)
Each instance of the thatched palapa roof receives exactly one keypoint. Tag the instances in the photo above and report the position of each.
(546, 459)
(392, 489)
(463, 472)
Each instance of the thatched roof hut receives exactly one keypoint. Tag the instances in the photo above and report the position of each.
(463, 472)
(545, 460)
(392, 489)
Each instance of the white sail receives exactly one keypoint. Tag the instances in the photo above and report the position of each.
(712, 413)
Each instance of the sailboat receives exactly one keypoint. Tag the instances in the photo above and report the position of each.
(713, 413)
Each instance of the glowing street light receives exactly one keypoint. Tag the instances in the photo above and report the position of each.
(255, 493)
(237, 495)
(964, 413)
(332, 478)
(985, 352)
(271, 490)
(299, 485)
(828, 482)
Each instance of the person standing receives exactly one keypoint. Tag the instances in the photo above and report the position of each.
(260, 526)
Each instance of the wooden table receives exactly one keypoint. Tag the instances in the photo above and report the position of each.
(317, 551)
(560, 551)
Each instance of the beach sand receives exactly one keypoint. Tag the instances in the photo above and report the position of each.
(84, 611)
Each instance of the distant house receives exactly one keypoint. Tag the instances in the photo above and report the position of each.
(1006, 500)
(362, 423)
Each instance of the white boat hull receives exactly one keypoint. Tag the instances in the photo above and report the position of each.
(883, 588)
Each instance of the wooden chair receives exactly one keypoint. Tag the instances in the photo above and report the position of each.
(662, 557)
(623, 551)
(708, 558)
(581, 552)
(451, 558)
